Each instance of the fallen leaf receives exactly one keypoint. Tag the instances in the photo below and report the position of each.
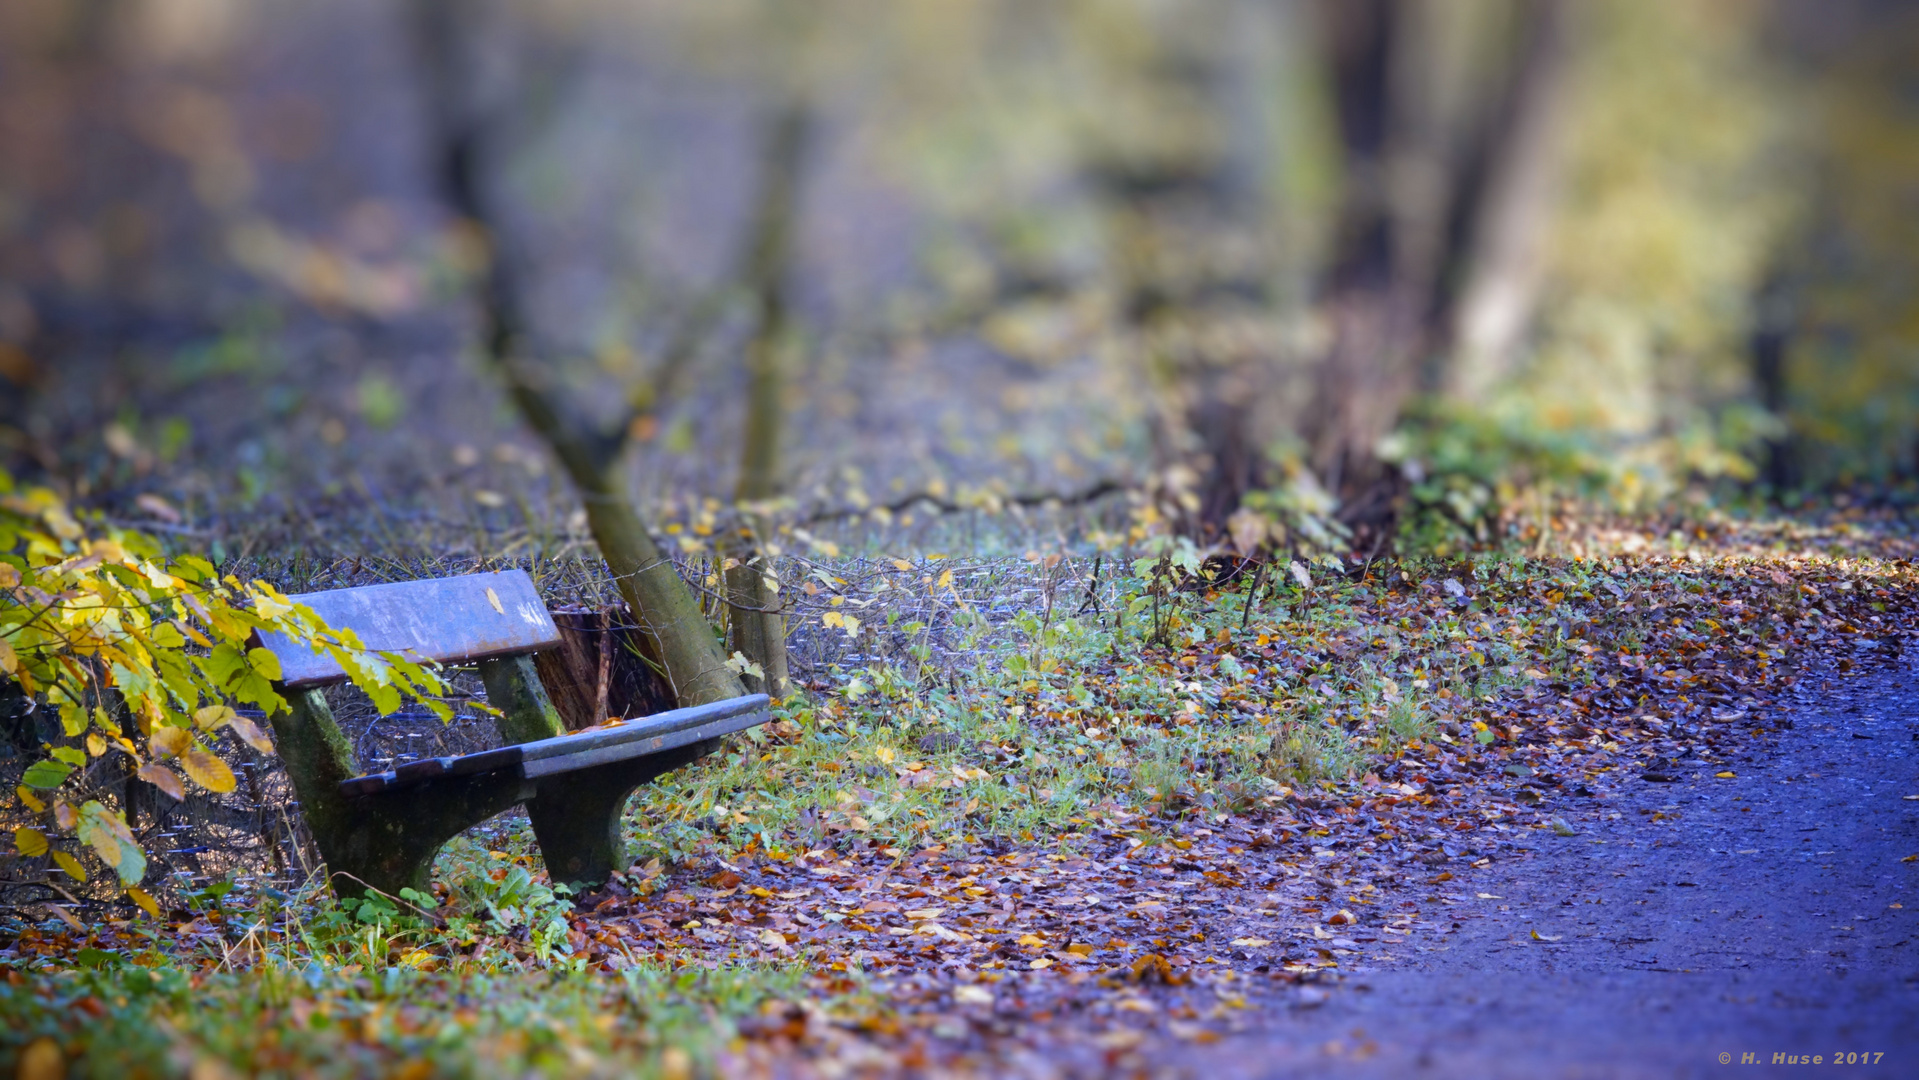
(1728, 775)
(146, 901)
(1537, 936)
(1342, 917)
(1251, 942)
(967, 994)
(1041, 964)
(42, 1058)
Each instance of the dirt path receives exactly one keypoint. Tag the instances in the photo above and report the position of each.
(1767, 914)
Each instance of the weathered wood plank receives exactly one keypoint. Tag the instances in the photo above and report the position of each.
(457, 620)
(641, 737)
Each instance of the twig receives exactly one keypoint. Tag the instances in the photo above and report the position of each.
(1092, 589)
(1259, 578)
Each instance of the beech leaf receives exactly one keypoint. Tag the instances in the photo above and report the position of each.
(208, 771)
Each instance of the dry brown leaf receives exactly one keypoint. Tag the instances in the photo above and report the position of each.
(163, 778)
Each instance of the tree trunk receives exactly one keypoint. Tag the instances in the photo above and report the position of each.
(601, 669)
(1437, 239)
(754, 607)
(1510, 186)
(1771, 337)
(1361, 374)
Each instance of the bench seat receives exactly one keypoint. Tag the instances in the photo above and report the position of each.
(641, 737)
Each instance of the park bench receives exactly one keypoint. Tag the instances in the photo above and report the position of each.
(382, 830)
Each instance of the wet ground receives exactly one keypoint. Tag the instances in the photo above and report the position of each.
(1771, 914)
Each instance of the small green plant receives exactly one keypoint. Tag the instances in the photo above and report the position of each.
(490, 893)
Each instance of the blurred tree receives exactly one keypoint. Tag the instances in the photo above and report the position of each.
(464, 133)
(1443, 114)
(1841, 364)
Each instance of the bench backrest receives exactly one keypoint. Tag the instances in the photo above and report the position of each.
(456, 620)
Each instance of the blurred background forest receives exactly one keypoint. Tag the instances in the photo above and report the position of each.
(1252, 270)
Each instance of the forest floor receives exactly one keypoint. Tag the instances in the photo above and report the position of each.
(1612, 815)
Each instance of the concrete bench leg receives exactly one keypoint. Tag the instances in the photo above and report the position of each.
(381, 843)
(576, 815)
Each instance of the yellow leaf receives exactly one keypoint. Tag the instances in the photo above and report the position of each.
(902, 564)
(42, 1060)
(1726, 775)
(31, 800)
(9, 663)
(1041, 964)
(946, 580)
(163, 778)
(212, 716)
(251, 732)
(885, 754)
(95, 745)
(773, 937)
(31, 843)
(147, 903)
(764, 894)
(187, 628)
(1537, 936)
(1080, 948)
(71, 865)
(208, 771)
(168, 742)
(1034, 940)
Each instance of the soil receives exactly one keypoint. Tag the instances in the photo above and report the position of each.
(1773, 913)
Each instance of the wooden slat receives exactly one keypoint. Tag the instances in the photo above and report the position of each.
(550, 757)
(639, 738)
(457, 620)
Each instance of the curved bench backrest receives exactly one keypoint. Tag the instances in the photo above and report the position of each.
(456, 620)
